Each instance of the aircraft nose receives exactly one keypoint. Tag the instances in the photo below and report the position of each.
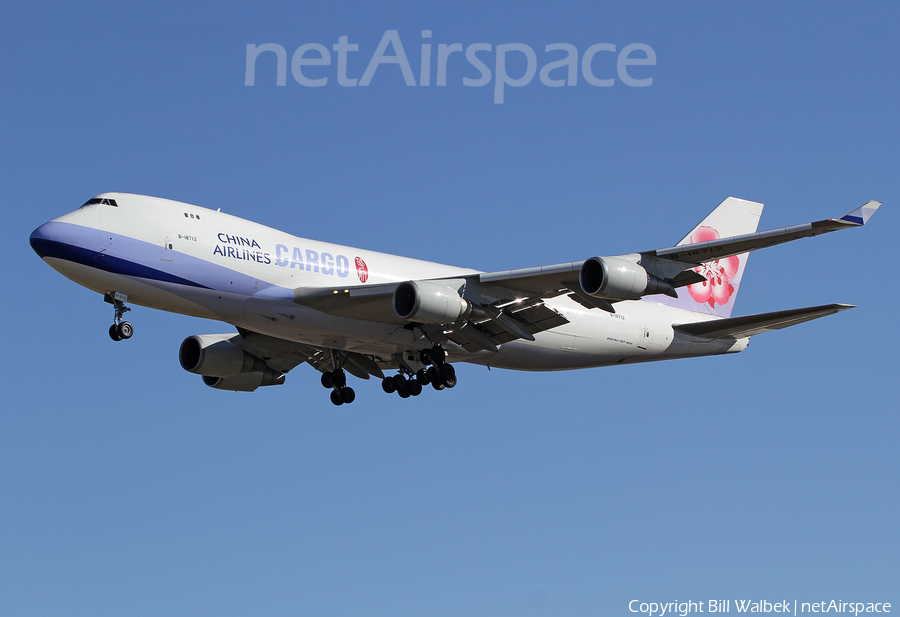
(43, 238)
(67, 235)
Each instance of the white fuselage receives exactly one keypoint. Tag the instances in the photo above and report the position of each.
(186, 259)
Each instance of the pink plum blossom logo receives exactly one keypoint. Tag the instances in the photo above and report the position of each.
(717, 288)
(362, 271)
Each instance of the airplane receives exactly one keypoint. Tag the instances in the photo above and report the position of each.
(347, 310)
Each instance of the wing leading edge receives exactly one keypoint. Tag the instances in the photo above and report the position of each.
(702, 252)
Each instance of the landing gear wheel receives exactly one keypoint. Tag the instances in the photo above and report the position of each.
(425, 357)
(399, 382)
(437, 355)
(114, 333)
(432, 375)
(326, 380)
(387, 384)
(347, 395)
(404, 391)
(336, 398)
(414, 387)
(125, 330)
(448, 372)
(422, 376)
(448, 375)
(338, 378)
(438, 385)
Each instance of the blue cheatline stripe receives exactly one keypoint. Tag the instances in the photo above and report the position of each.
(107, 263)
(129, 256)
(853, 219)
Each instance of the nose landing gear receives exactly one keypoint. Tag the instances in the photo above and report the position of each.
(120, 330)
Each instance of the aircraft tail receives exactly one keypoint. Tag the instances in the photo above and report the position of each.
(716, 295)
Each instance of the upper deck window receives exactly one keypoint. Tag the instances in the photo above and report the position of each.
(98, 200)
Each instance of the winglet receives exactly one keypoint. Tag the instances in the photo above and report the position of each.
(861, 215)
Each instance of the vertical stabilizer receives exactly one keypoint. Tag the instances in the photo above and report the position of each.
(717, 294)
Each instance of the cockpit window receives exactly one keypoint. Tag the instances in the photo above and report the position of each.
(104, 201)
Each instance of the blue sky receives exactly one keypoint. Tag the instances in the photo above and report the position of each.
(128, 487)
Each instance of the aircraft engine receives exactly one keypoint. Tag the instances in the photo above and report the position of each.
(224, 365)
(618, 279)
(429, 302)
(245, 382)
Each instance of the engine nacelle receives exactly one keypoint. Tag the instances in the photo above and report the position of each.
(216, 355)
(618, 279)
(245, 382)
(429, 302)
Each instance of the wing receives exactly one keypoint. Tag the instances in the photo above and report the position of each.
(509, 304)
(283, 355)
(751, 325)
(673, 263)
(504, 316)
(366, 302)
(702, 252)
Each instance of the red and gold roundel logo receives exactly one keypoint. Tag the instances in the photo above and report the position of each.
(361, 270)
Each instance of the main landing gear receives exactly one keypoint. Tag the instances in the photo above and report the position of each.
(120, 330)
(340, 392)
(440, 375)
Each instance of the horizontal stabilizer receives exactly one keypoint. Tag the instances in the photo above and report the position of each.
(750, 325)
